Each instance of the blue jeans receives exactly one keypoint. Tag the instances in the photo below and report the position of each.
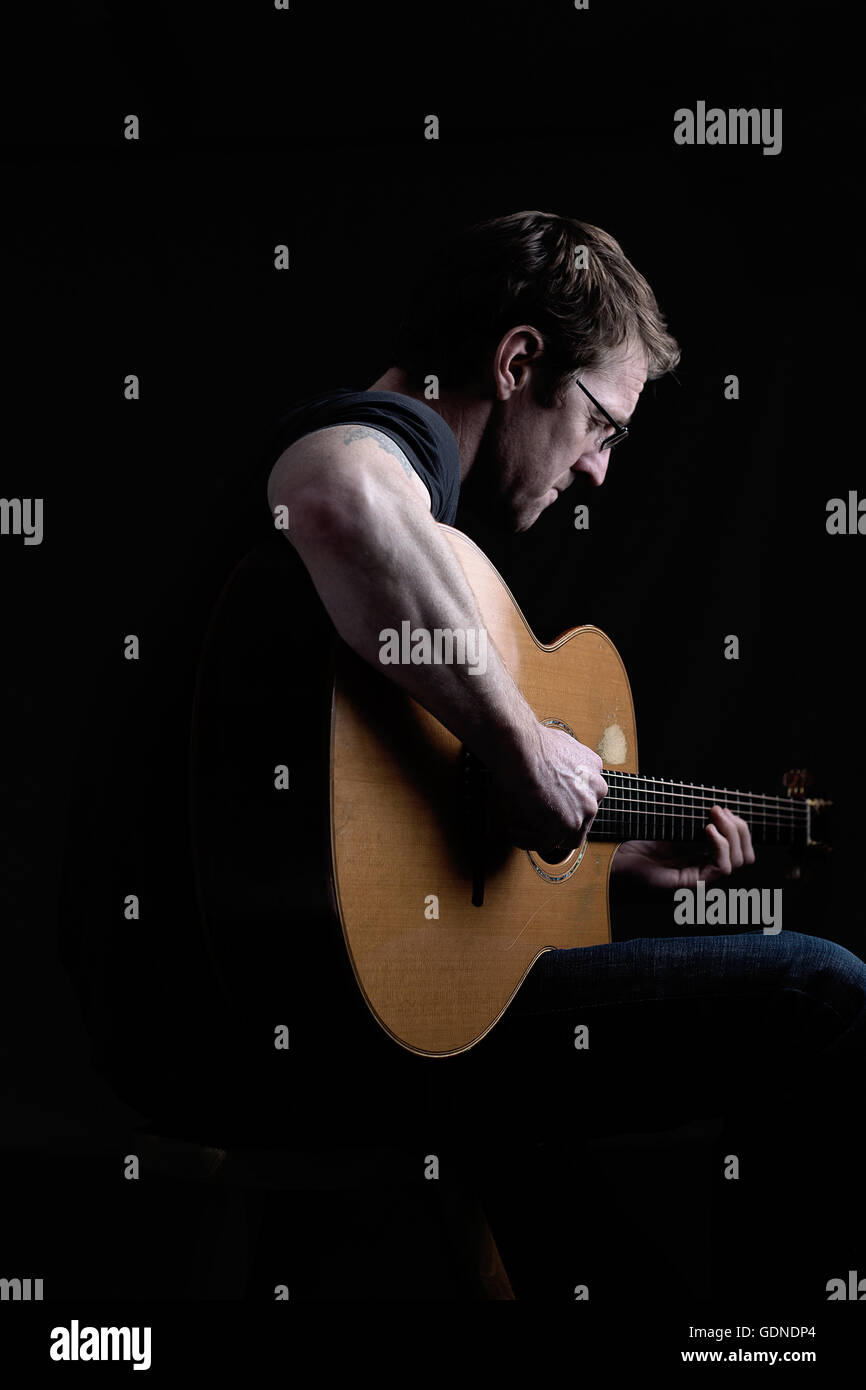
(676, 1028)
(765, 1033)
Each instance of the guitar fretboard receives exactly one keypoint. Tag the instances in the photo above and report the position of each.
(650, 808)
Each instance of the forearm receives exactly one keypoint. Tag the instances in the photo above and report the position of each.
(378, 564)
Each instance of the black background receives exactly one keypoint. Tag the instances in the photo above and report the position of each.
(156, 257)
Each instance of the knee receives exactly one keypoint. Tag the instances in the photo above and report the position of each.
(822, 969)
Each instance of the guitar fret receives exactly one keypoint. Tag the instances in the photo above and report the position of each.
(638, 807)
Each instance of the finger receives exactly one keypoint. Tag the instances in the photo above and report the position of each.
(725, 822)
(591, 787)
(564, 841)
(742, 843)
(722, 854)
(745, 834)
(589, 777)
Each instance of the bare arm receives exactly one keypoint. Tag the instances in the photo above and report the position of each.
(359, 517)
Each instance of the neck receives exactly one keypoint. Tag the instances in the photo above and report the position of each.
(649, 808)
(465, 415)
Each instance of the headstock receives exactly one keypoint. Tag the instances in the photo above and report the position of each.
(796, 783)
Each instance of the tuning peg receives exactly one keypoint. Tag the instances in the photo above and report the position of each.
(796, 781)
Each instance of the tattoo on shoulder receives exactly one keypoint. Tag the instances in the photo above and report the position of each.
(354, 432)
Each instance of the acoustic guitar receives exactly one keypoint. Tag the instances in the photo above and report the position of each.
(441, 918)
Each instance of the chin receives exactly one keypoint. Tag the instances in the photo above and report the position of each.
(529, 514)
(525, 520)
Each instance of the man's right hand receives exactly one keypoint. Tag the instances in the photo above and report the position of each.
(548, 798)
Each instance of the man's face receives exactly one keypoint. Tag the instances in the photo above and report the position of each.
(534, 452)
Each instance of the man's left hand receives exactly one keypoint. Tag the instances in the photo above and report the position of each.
(661, 864)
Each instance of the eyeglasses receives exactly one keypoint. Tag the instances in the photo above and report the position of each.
(620, 431)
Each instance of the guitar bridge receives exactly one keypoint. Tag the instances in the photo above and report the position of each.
(473, 777)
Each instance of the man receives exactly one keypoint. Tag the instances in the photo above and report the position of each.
(363, 523)
(541, 335)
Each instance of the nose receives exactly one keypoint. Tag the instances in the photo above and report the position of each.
(594, 465)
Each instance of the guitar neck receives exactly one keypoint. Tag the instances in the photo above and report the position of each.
(650, 808)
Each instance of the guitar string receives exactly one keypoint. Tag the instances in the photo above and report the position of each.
(781, 813)
(654, 794)
(678, 808)
(657, 794)
(651, 782)
(646, 803)
(621, 813)
(769, 815)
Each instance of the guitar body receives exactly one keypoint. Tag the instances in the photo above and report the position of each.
(348, 869)
(410, 846)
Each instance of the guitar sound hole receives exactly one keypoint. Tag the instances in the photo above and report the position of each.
(553, 857)
(556, 870)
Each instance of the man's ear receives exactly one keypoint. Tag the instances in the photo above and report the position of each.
(517, 348)
(531, 351)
